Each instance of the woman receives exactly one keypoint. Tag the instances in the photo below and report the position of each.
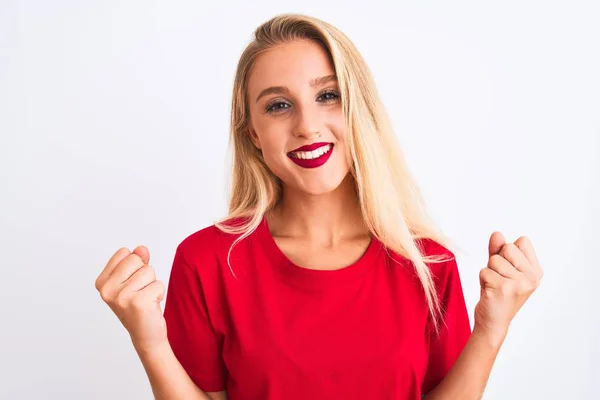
(326, 280)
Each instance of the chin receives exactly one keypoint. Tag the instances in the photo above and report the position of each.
(320, 187)
(318, 183)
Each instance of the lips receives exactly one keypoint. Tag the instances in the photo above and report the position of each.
(312, 162)
(310, 147)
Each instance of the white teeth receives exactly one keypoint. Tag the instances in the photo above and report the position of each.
(309, 155)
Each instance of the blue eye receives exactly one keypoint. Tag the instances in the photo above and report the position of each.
(275, 106)
(330, 94)
(278, 106)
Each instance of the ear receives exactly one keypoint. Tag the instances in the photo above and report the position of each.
(253, 136)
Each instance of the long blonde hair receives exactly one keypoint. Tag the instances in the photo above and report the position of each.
(391, 203)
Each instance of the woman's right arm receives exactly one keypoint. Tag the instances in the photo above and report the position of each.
(168, 379)
(129, 286)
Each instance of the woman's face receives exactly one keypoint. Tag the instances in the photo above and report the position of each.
(294, 101)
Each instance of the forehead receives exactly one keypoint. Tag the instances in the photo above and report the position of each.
(292, 64)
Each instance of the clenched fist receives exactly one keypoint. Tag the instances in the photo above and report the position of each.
(128, 285)
(512, 274)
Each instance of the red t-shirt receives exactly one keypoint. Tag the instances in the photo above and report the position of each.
(280, 331)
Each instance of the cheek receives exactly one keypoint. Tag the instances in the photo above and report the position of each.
(273, 141)
(335, 123)
(278, 163)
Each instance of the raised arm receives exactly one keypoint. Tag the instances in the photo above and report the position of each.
(512, 274)
(129, 286)
(168, 379)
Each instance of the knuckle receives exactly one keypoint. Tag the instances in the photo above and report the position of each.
(130, 259)
(495, 259)
(105, 295)
(160, 286)
(524, 240)
(148, 270)
(523, 286)
(502, 252)
(138, 302)
(141, 270)
(529, 285)
(507, 288)
(509, 248)
(121, 301)
(147, 273)
(123, 250)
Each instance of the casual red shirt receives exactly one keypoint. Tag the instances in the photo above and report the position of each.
(280, 331)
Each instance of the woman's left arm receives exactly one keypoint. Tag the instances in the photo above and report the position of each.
(469, 375)
(512, 274)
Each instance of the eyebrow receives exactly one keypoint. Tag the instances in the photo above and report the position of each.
(283, 89)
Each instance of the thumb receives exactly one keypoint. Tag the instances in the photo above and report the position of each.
(143, 252)
(497, 241)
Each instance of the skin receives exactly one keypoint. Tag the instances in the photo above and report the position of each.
(318, 215)
(512, 274)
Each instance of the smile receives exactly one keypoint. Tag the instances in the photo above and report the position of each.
(312, 158)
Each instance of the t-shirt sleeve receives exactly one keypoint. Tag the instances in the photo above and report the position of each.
(190, 333)
(455, 329)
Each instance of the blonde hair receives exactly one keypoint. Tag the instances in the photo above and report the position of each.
(391, 203)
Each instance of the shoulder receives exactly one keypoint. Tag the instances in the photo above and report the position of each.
(440, 260)
(445, 273)
(430, 247)
(435, 255)
(207, 244)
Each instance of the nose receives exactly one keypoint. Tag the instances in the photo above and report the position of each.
(306, 123)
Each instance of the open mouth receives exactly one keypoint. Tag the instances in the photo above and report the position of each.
(311, 156)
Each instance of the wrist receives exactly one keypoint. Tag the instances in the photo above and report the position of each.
(493, 337)
(150, 349)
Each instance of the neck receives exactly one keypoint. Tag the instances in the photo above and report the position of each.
(325, 219)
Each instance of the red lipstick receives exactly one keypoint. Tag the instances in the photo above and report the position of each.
(313, 162)
(310, 147)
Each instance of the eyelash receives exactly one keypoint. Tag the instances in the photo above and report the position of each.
(270, 108)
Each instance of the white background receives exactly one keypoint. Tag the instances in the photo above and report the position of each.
(114, 129)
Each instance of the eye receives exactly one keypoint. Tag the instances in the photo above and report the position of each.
(329, 96)
(276, 106)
